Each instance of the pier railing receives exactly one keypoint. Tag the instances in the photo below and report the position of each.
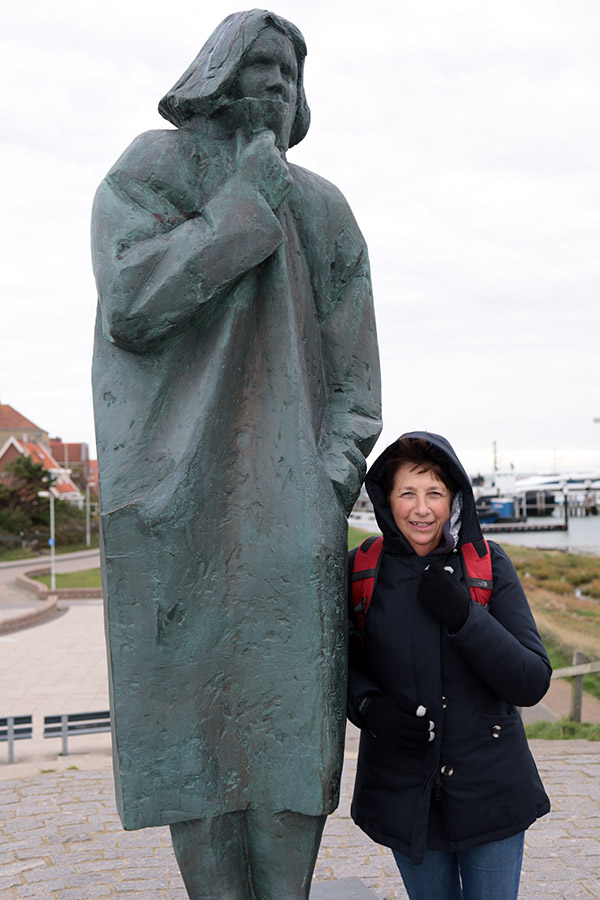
(577, 671)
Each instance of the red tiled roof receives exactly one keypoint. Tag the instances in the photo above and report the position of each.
(64, 487)
(10, 418)
(74, 452)
(40, 455)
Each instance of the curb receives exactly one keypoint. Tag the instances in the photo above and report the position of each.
(48, 597)
(33, 617)
(26, 583)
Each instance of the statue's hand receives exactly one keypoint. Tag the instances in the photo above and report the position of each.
(347, 471)
(261, 164)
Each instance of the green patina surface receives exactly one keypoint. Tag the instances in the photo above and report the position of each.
(236, 391)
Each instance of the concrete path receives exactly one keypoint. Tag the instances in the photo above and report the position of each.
(61, 839)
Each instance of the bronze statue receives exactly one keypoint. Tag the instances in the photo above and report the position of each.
(236, 391)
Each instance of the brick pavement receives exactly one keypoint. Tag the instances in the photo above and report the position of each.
(61, 839)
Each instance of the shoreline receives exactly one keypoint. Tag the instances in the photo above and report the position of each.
(582, 538)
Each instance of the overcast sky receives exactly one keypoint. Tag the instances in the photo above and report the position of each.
(466, 138)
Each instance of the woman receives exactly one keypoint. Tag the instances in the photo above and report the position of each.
(445, 777)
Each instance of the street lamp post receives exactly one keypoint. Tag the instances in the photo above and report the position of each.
(88, 536)
(48, 495)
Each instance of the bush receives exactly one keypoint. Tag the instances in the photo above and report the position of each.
(562, 730)
(13, 521)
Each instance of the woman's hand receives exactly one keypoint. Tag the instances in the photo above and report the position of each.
(443, 597)
(392, 720)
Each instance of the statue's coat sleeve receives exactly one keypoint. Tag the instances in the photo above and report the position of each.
(157, 264)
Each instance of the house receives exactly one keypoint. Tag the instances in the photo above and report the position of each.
(69, 462)
(13, 424)
(93, 475)
(75, 458)
(63, 488)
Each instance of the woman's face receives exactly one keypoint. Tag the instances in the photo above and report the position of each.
(420, 505)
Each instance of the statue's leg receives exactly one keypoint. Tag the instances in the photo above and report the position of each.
(213, 858)
(283, 850)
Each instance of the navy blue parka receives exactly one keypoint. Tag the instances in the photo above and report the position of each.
(477, 781)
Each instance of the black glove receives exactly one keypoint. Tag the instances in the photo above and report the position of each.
(444, 597)
(387, 719)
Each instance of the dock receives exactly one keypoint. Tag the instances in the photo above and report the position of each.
(508, 527)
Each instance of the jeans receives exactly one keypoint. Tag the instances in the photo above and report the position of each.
(488, 872)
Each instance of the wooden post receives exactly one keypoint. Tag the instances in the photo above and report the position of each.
(577, 688)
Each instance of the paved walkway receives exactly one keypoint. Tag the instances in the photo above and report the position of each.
(14, 601)
(58, 666)
(61, 839)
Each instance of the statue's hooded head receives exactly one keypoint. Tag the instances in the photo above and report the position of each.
(208, 86)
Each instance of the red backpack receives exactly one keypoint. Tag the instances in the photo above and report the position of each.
(476, 564)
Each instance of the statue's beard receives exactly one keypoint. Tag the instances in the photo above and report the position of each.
(252, 115)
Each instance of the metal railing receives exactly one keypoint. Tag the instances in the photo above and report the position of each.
(19, 728)
(15, 728)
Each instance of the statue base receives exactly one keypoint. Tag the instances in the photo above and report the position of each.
(341, 889)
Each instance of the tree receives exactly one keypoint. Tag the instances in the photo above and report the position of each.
(26, 515)
(21, 510)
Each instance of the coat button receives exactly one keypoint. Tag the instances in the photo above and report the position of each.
(447, 770)
(496, 729)
(444, 703)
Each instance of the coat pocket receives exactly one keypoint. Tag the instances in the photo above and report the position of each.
(507, 762)
(488, 778)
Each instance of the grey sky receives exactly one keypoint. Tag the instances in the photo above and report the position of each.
(466, 137)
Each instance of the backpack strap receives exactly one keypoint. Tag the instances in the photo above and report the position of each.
(362, 582)
(476, 562)
(475, 558)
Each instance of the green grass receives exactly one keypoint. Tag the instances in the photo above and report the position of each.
(20, 553)
(559, 657)
(563, 571)
(563, 730)
(74, 548)
(355, 536)
(86, 578)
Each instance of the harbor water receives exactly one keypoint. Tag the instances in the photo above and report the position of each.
(583, 535)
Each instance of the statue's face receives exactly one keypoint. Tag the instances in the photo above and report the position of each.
(269, 70)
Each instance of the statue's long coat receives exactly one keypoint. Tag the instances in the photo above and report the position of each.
(236, 390)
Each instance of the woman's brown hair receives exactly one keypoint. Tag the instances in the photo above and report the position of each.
(422, 456)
